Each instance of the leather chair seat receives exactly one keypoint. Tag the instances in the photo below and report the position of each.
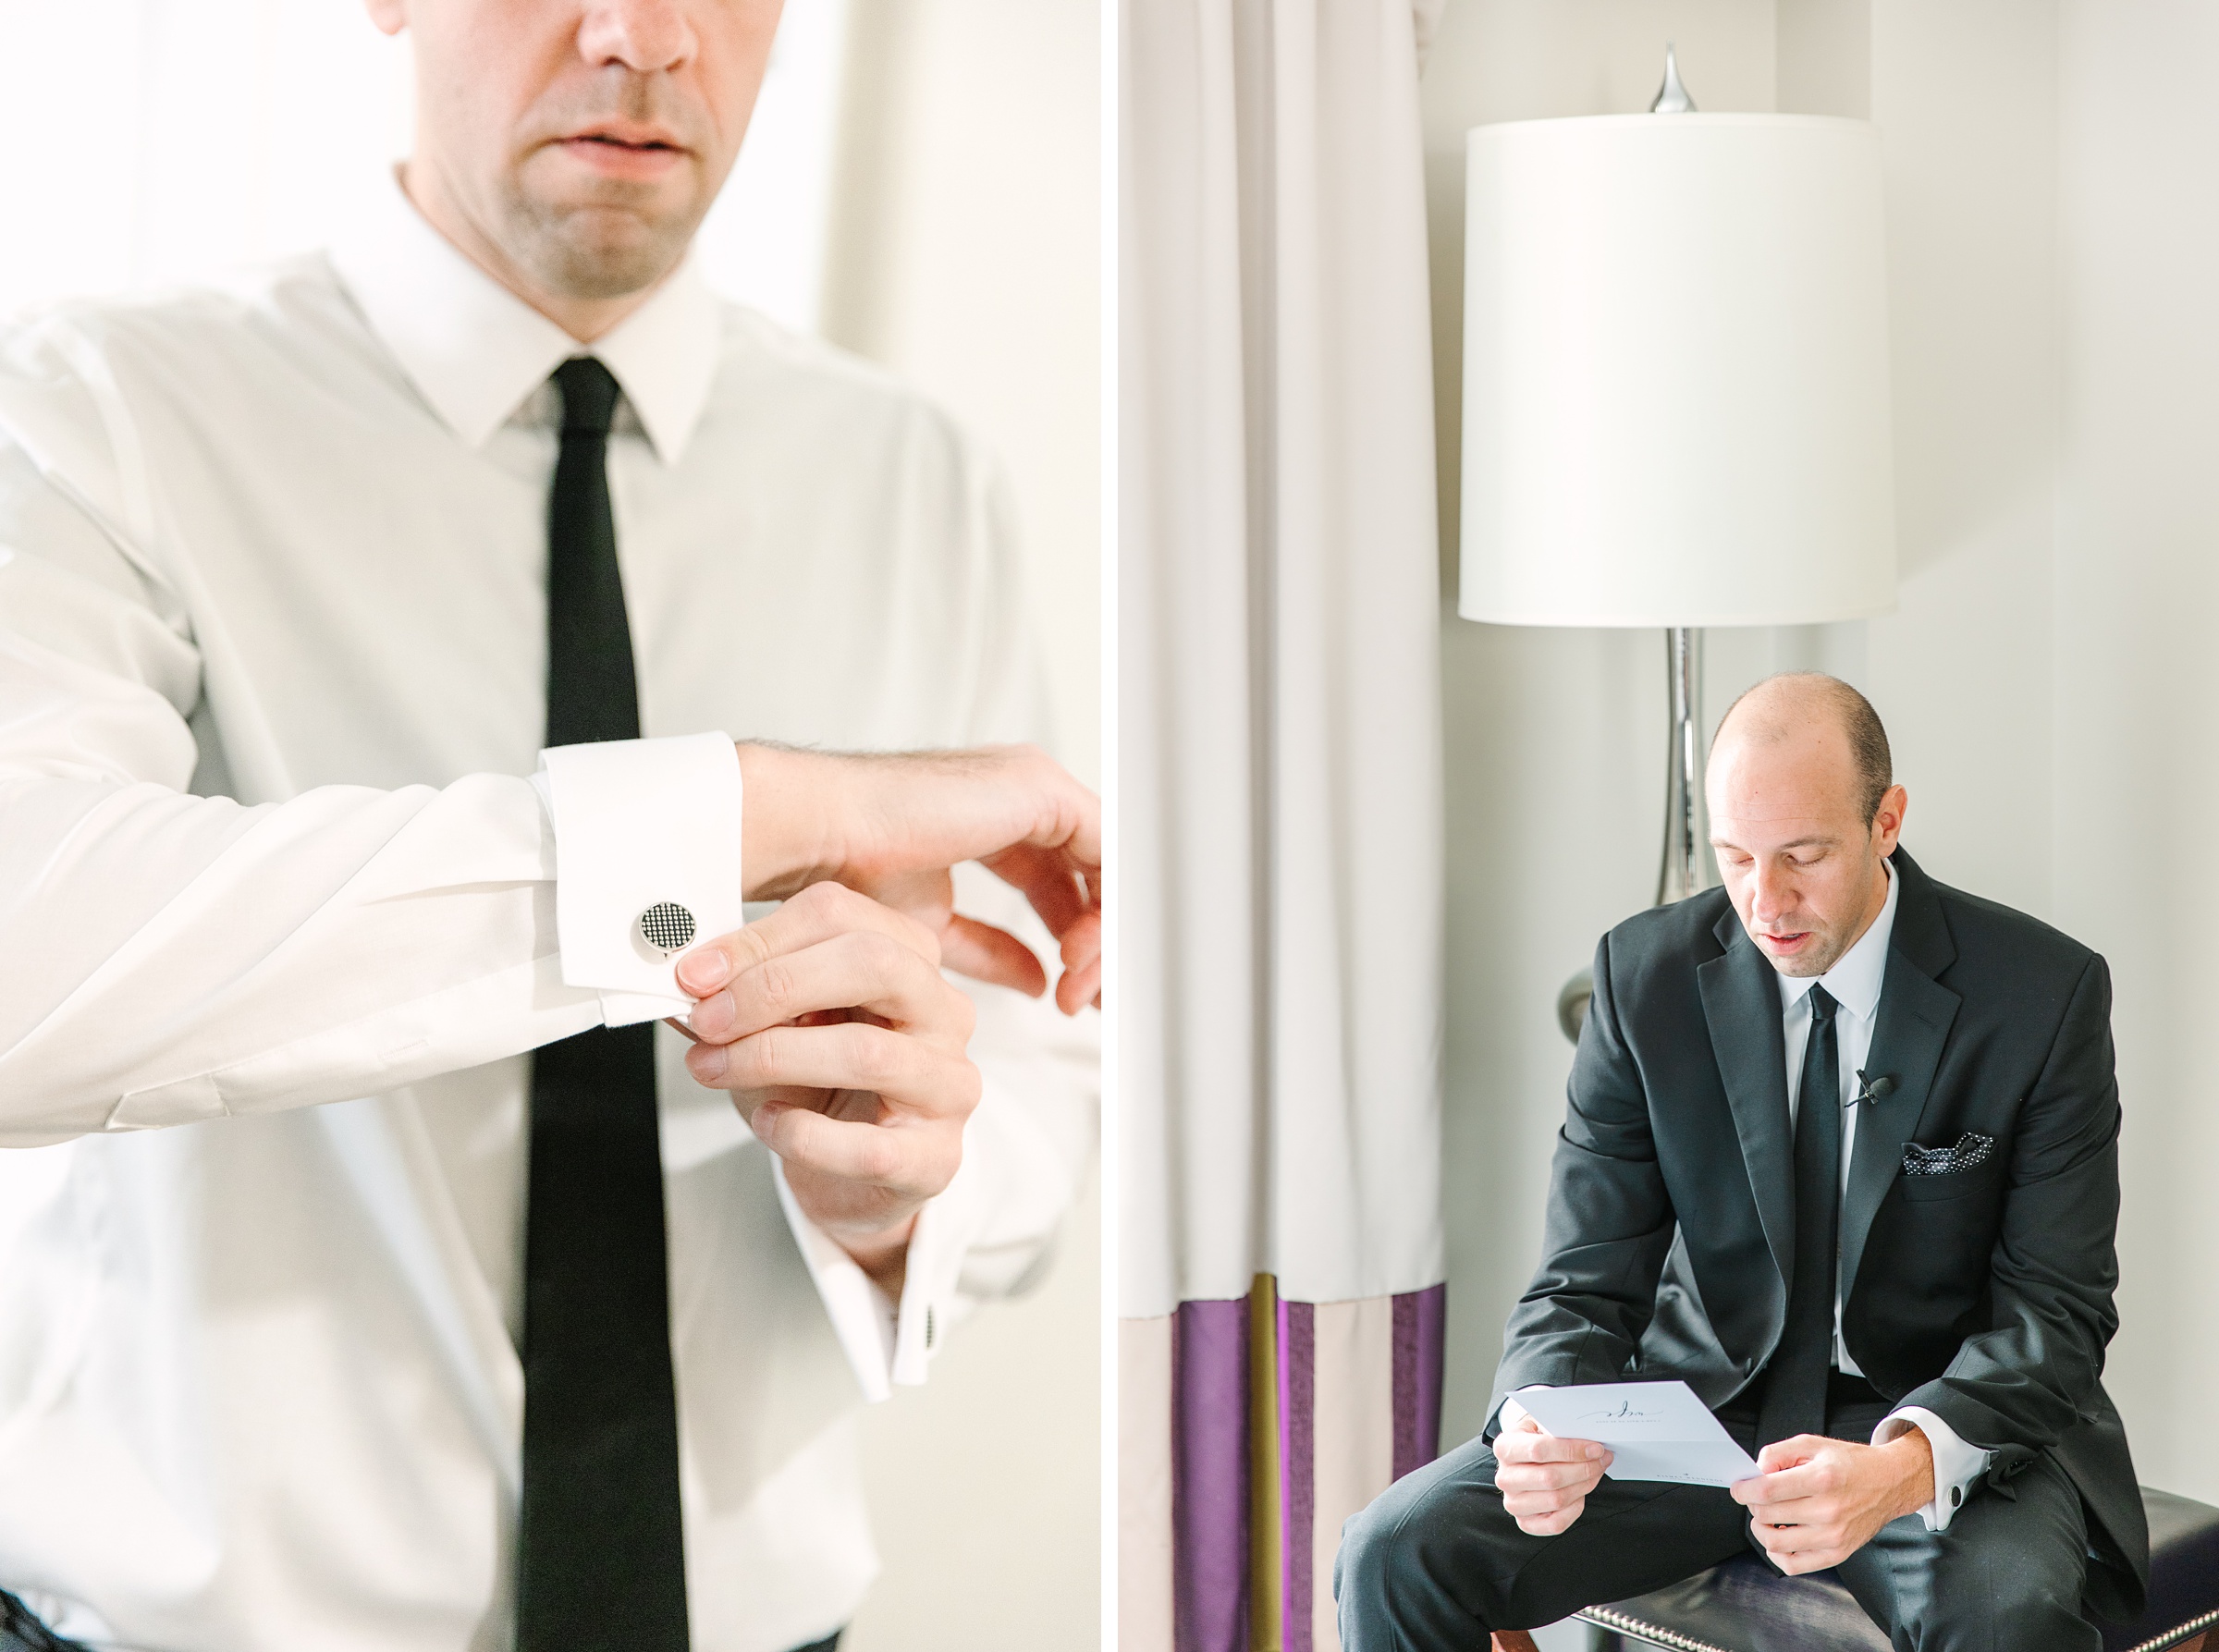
(1741, 1606)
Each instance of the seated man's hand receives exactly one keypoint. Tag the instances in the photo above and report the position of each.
(1544, 1480)
(842, 1044)
(1818, 1501)
(894, 824)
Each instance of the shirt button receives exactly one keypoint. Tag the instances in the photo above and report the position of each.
(667, 927)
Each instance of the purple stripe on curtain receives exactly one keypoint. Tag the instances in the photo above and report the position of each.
(1420, 1328)
(1297, 1457)
(1209, 1477)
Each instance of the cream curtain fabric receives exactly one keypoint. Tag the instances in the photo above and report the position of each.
(1281, 835)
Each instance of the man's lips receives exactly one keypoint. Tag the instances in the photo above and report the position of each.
(1785, 943)
(624, 152)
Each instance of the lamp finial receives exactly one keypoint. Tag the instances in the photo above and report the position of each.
(1671, 97)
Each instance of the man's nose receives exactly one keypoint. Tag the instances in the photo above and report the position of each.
(645, 36)
(1770, 894)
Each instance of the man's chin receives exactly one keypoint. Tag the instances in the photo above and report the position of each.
(596, 250)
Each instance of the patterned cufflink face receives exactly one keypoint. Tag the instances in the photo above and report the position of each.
(667, 927)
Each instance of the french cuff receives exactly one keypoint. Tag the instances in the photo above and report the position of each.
(886, 1342)
(646, 864)
(1510, 1413)
(1956, 1466)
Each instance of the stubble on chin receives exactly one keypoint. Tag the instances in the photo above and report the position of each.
(1809, 965)
(607, 246)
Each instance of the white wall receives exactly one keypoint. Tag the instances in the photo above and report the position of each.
(2053, 239)
(2137, 672)
(964, 254)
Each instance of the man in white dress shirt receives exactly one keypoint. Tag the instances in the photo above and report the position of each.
(299, 578)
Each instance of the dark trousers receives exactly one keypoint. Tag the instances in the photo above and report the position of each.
(1436, 1563)
(20, 1632)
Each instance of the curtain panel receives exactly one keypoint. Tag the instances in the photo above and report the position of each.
(1279, 822)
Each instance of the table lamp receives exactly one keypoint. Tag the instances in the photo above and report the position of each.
(1676, 392)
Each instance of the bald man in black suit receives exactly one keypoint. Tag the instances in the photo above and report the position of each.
(1841, 1154)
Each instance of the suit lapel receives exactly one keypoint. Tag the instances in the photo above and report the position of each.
(1741, 1002)
(1916, 1013)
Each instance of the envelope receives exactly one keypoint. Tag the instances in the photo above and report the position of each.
(1655, 1430)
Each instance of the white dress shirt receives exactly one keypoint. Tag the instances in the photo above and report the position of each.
(271, 644)
(1854, 983)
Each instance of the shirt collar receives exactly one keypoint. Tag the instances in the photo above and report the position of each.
(475, 351)
(1857, 976)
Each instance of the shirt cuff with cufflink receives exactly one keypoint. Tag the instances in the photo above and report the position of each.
(1956, 1466)
(886, 1342)
(646, 864)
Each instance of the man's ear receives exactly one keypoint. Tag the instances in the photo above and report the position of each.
(1887, 820)
(390, 15)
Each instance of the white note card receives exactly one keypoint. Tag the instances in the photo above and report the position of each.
(1655, 1430)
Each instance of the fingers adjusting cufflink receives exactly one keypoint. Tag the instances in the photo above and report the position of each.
(667, 927)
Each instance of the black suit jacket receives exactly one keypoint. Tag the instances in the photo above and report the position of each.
(1984, 1295)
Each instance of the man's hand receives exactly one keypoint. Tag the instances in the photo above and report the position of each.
(1544, 1480)
(1817, 1501)
(842, 1044)
(892, 825)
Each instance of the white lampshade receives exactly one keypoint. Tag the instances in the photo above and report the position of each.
(1675, 398)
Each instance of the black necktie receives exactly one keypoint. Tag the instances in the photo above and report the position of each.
(1794, 1389)
(600, 1553)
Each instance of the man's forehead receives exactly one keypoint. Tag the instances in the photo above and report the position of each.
(1773, 818)
(1779, 830)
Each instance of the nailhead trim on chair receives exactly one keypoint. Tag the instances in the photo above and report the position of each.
(2173, 1637)
(1623, 1623)
(1620, 1622)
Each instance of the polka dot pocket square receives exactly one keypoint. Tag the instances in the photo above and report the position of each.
(1972, 1150)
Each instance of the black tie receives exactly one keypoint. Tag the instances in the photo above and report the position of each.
(600, 1552)
(1794, 1389)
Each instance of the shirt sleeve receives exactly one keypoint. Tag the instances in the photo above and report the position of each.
(1957, 1466)
(168, 957)
(992, 1232)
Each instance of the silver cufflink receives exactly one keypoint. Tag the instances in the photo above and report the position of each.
(667, 927)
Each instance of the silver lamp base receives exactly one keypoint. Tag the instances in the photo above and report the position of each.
(1686, 869)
